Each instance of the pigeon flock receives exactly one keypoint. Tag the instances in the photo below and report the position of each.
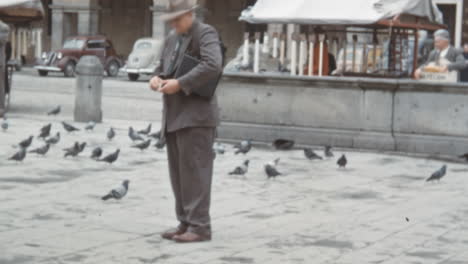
(142, 141)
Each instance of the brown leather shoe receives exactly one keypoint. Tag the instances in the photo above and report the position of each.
(189, 237)
(171, 233)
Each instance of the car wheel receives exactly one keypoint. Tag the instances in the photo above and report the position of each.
(113, 68)
(133, 77)
(42, 73)
(69, 69)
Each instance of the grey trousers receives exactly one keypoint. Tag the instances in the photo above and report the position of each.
(190, 155)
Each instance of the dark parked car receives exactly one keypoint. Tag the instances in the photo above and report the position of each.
(65, 59)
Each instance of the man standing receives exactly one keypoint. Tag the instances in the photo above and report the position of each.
(189, 120)
(444, 57)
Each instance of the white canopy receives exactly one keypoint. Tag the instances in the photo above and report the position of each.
(337, 12)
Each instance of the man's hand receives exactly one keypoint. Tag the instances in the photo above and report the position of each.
(155, 83)
(171, 86)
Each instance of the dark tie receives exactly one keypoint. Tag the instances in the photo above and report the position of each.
(175, 55)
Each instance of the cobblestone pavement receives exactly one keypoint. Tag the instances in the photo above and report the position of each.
(378, 210)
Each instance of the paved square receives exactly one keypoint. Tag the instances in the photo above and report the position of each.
(378, 210)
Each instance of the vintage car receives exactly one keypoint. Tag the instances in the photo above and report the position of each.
(144, 58)
(65, 59)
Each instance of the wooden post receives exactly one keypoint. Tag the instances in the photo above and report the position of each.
(374, 55)
(416, 51)
(355, 39)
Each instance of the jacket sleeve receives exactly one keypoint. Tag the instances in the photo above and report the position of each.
(459, 63)
(210, 66)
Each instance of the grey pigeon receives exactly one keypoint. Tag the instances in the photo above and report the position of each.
(311, 155)
(69, 128)
(143, 145)
(219, 148)
(54, 140)
(96, 154)
(90, 126)
(146, 131)
(241, 170)
(26, 143)
(155, 135)
(133, 135)
(45, 131)
(271, 171)
(42, 150)
(19, 156)
(342, 162)
(76, 147)
(110, 134)
(72, 151)
(55, 111)
(82, 146)
(161, 143)
(111, 158)
(328, 152)
(243, 147)
(117, 193)
(283, 144)
(4, 124)
(439, 174)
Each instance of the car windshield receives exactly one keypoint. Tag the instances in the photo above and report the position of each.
(73, 44)
(143, 45)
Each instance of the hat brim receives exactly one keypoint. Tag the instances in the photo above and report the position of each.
(174, 15)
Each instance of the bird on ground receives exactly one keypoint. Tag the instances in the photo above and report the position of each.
(76, 147)
(243, 147)
(26, 143)
(133, 135)
(72, 151)
(4, 124)
(117, 193)
(161, 143)
(45, 131)
(219, 148)
(155, 135)
(55, 111)
(283, 144)
(242, 169)
(96, 154)
(53, 140)
(69, 128)
(328, 152)
(110, 134)
(342, 162)
(270, 169)
(19, 156)
(90, 126)
(111, 158)
(146, 131)
(311, 155)
(439, 174)
(42, 150)
(82, 147)
(143, 145)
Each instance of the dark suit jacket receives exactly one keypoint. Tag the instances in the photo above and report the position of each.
(453, 55)
(185, 109)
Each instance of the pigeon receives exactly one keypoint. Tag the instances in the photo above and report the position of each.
(342, 162)
(82, 147)
(133, 135)
(42, 150)
(270, 169)
(243, 147)
(436, 176)
(69, 128)
(111, 158)
(55, 111)
(311, 155)
(283, 144)
(54, 140)
(45, 131)
(19, 156)
(241, 170)
(110, 134)
(327, 152)
(219, 148)
(26, 143)
(4, 124)
(145, 131)
(161, 143)
(155, 135)
(143, 145)
(90, 126)
(73, 151)
(96, 154)
(117, 193)
(76, 147)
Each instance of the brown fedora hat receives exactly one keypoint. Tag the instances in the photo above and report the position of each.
(178, 8)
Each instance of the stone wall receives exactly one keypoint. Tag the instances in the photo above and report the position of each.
(383, 114)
